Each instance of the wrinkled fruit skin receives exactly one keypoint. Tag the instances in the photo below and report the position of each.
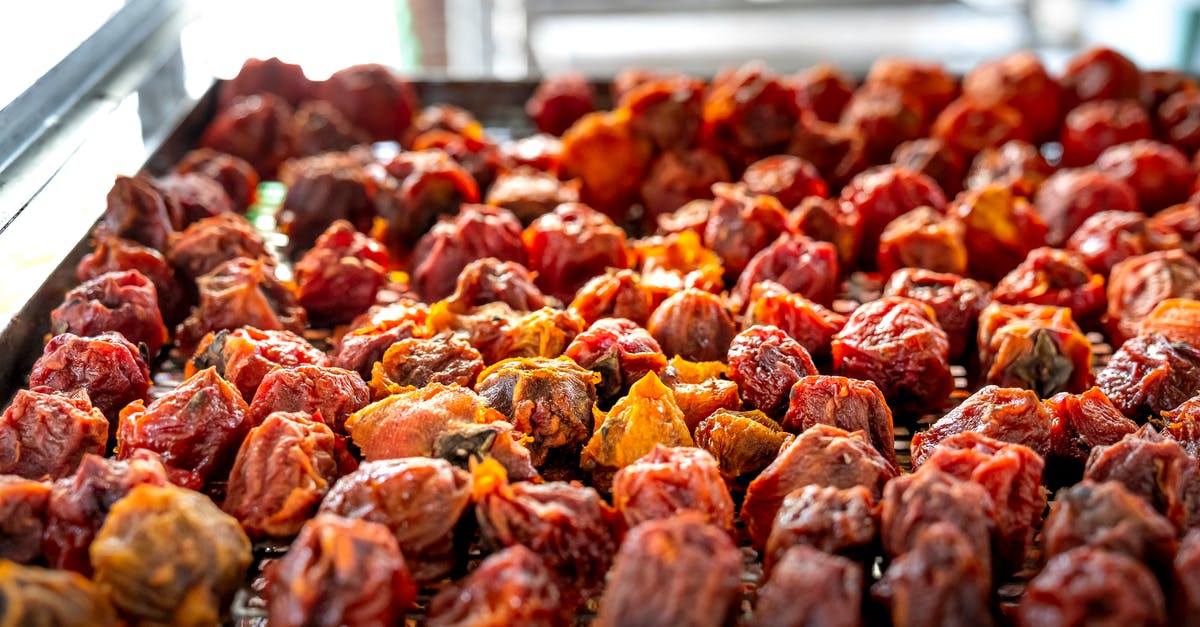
(139, 540)
(420, 500)
(282, 471)
(688, 566)
(1150, 374)
(107, 367)
(823, 455)
(340, 571)
(41, 596)
(43, 434)
(848, 404)
(810, 587)
(765, 363)
(908, 360)
(484, 596)
(1087, 585)
(124, 302)
(668, 482)
(941, 581)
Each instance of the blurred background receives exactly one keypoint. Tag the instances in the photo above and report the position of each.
(517, 38)
(92, 87)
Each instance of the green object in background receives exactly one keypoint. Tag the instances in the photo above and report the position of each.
(410, 45)
(268, 200)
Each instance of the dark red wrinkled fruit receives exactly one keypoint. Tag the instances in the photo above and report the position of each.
(897, 343)
(475, 232)
(107, 367)
(765, 363)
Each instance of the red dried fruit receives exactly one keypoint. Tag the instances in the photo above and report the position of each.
(956, 301)
(677, 177)
(1016, 165)
(823, 456)
(340, 570)
(1012, 476)
(749, 113)
(808, 587)
(969, 125)
(1093, 127)
(1107, 516)
(332, 393)
(1020, 81)
(529, 193)
(618, 350)
(321, 190)
(740, 224)
(848, 404)
(109, 369)
(339, 277)
(240, 293)
(1155, 468)
(922, 238)
(942, 580)
(1004, 414)
(876, 197)
(1139, 284)
(838, 152)
(609, 158)
(235, 175)
(569, 525)
(373, 99)
(765, 363)
(896, 343)
(1150, 374)
(244, 356)
(446, 421)
(1071, 196)
(419, 500)
(1086, 586)
(475, 232)
(268, 76)
(570, 245)
(79, 504)
(798, 263)
(485, 596)
(372, 333)
(22, 518)
(789, 179)
(678, 571)
(1109, 237)
(934, 158)
(559, 101)
(822, 89)
(490, 280)
(196, 428)
(282, 471)
(257, 128)
(1050, 276)
(670, 482)
(885, 118)
(1100, 73)
(1000, 230)
(425, 185)
(832, 520)
(124, 302)
(113, 254)
(1081, 422)
(668, 110)
(1159, 174)
(43, 434)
